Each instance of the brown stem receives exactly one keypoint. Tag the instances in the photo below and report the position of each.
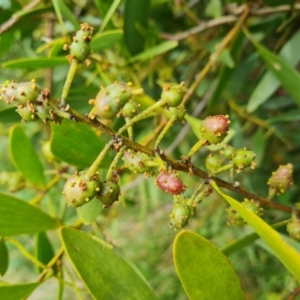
(178, 165)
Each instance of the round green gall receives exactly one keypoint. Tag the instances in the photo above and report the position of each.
(131, 109)
(173, 94)
(213, 162)
(180, 215)
(137, 162)
(80, 50)
(79, 190)
(109, 193)
(178, 111)
(243, 158)
(293, 228)
(234, 218)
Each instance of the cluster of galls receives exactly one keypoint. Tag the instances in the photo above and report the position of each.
(80, 46)
(113, 100)
(281, 179)
(235, 219)
(30, 100)
(81, 189)
(293, 227)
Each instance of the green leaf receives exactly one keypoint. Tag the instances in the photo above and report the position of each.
(19, 217)
(105, 273)
(25, 157)
(135, 19)
(258, 145)
(246, 240)
(4, 261)
(90, 211)
(35, 63)
(65, 11)
(109, 14)
(204, 270)
(76, 144)
(58, 13)
(288, 77)
(269, 82)
(43, 249)
(106, 39)
(9, 115)
(154, 51)
(285, 253)
(17, 291)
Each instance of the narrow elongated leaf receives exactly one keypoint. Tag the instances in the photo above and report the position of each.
(154, 51)
(76, 144)
(105, 273)
(19, 217)
(109, 14)
(43, 249)
(285, 253)
(34, 63)
(58, 13)
(4, 257)
(246, 240)
(287, 76)
(68, 14)
(17, 291)
(135, 20)
(106, 39)
(269, 83)
(204, 270)
(25, 157)
(9, 115)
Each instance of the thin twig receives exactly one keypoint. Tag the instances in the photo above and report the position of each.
(178, 165)
(16, 17)
(228, 20)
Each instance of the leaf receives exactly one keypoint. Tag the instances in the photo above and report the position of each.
(109, 14)
(269, 82)
(90, 211)
(204, 270)
(58, 13)
(135, 18)
(287, 76)
(9, 115)
(76, 144)
(17, 291)
(154, 51)
(106, 39)
(65, 11)
(285, 253)
(246, 240)
(19, 217)
(105, 273)
(35, 63)
(4, 261)
(43, 249)
(258, 145)
(25, 157)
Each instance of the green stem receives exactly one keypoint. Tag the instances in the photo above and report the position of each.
(26, 253)
(142, 115)
(194, 198)
(221, 169)
(114, 163)
(169, 124)
(73, 67)
(129, 129)
(95, 165)
(160, 162)
(196, 147)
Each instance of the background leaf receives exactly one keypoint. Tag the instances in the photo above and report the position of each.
(204, 270)
(90, 211)
(19, 217)
(288, 77)
(76, 144)
(4, 261)
(106, 39)
(269, 82)
(17, 291)
(25, 157)
(105, 273)
(35, 63)
(285, 253)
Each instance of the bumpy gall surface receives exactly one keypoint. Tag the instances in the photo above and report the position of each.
(109, 193)
(137, 162)
(173, 94)
(215, 128)
(170, 183)
(243, 158)
(282, 178)
(78, 190)
(180, 215)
